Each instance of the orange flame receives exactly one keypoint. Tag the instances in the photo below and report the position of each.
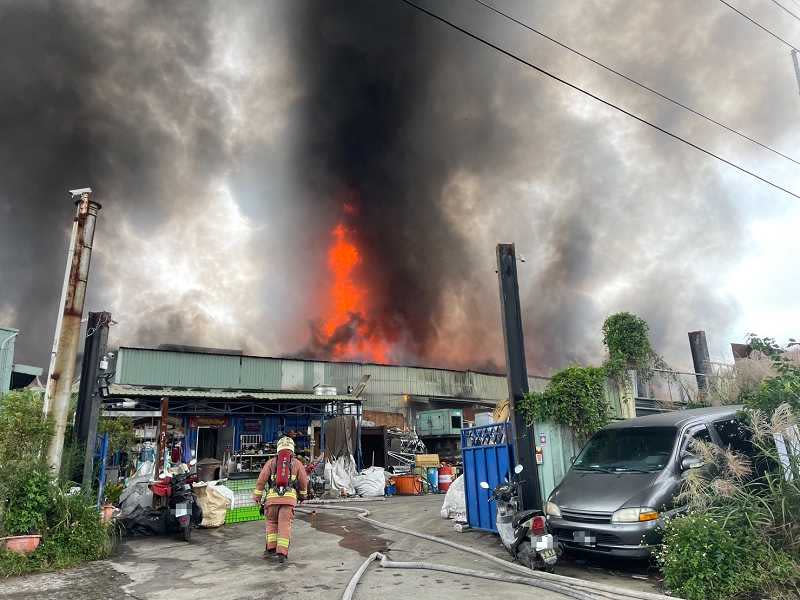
(349, 304)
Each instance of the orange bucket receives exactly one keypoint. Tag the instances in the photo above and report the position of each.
(408, 485)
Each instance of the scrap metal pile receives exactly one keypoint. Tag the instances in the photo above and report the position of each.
(404, 446)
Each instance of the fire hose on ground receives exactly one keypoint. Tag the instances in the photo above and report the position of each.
(570, 587)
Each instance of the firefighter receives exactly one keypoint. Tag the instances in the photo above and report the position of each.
(286, 482)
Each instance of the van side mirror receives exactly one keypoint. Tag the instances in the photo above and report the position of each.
(690, 461)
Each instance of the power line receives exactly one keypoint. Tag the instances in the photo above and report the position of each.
(759, 25)
(782, 7)
(594, 96)
(633, 81)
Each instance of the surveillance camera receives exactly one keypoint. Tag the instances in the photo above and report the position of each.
(81, 191)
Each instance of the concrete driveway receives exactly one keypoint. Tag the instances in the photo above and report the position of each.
(327, 547)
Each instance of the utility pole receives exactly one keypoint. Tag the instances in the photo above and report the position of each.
(700, 359)
(88, 410)
(523, 434)
(62, 365)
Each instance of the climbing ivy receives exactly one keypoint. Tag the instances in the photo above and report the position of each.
(625, 336)
(574, 397)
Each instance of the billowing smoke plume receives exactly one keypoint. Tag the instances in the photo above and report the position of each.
(228, 142)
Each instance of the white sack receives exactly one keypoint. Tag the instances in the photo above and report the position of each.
(225, 491)
(339, 476)
(370, 483)
(455, 503)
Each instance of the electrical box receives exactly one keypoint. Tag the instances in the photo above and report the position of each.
(445, 421)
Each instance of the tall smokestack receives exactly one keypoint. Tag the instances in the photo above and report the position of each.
(62, 366)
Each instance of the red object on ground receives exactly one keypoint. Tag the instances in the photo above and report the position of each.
(445, 477)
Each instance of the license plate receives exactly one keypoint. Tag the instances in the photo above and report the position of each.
(181, 510)
(548, 556)
(583, 538)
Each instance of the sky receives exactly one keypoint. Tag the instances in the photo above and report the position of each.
(227, 143)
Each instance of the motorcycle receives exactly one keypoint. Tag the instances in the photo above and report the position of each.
(175, 490)
(522, 532)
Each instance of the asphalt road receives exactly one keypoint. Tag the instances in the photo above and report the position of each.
(226, 563)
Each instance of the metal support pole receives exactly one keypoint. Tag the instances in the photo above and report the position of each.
(162, 437)
(87, 414)
(523, 435)
(59, 383)
(101, 486)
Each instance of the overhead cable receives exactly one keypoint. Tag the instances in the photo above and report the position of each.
(782, 7)
(596, 97)
(759, 25)
(637, 83)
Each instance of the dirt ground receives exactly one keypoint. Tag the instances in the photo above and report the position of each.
(327, 547)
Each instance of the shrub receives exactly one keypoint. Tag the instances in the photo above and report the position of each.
(574, 397)
(625, 336)
(702, 559)
(31, 500)
(27, 503)
(751, 506)
(72, 533)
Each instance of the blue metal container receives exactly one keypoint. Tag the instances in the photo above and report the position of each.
(488, 456)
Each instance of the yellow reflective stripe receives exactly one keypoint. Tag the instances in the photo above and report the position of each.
(290, 493)
(303, 492)
(283, 542)
(271, 537)
(258, 492)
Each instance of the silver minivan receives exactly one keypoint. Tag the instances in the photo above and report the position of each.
(624, 481)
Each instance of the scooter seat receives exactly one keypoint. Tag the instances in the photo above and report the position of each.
(523, 516)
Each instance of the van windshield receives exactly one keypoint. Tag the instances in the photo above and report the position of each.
(635, 449)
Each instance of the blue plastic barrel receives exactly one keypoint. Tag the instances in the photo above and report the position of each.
(433, 479)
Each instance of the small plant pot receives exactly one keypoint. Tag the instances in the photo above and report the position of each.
(105, 512)
(21, 544)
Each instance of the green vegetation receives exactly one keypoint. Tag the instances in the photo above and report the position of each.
(32, 501)
(120, 432)
(741, 537)
(625, 336)
(574, 397)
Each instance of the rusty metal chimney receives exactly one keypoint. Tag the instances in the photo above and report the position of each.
(68, 329)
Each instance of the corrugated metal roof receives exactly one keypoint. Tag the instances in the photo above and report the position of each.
(227, 394)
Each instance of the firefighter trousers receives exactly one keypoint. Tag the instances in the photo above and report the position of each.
(279, 527)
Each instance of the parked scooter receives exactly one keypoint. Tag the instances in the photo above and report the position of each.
(523, 532)
(176, 489)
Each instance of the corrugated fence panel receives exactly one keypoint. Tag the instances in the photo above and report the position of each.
(487, 456)
(260, 373)
(557, 452)
(7, 341)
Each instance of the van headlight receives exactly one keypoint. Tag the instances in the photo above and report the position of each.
(551, 509)
(634, 515)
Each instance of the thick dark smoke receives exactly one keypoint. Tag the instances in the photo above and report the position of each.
(103, 96)
(224, 141)
(377, 134)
